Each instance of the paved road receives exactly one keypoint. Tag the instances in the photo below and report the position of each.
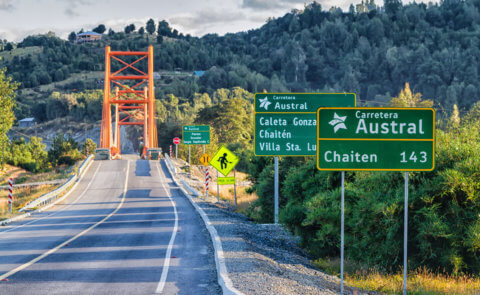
(124, 230)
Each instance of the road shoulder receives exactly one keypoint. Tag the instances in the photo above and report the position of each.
(263, 258)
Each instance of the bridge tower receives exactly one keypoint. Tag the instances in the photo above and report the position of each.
(132, 101)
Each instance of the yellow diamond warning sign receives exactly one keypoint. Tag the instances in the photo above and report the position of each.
(224, 160)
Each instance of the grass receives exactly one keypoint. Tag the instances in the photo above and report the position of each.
(420, 281)
(22, 196)
(20, 52)
(244, 199)
(23, 176)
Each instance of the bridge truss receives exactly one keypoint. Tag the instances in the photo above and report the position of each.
(132, 101)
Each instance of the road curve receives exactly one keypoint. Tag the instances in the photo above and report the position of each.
(126, 229)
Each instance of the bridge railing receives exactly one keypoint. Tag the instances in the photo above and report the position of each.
(53, 195)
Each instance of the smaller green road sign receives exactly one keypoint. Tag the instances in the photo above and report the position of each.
(196, 134)
(388, 139)
(226, 180)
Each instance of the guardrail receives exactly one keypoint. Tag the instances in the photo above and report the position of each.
(49, 197)
(170, 164)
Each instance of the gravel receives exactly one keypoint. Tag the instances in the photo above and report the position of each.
(263, 258)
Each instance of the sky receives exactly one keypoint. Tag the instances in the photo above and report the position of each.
(20, 18)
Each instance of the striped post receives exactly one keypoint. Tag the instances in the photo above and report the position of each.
(171, 151)
(10, 194)
(207, 179)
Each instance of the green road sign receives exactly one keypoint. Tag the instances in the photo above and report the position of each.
(224, 160)
(199, 134)
(225, 180)
(286, 123)
(388, 139)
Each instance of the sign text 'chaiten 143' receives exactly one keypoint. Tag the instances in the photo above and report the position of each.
(390, 139)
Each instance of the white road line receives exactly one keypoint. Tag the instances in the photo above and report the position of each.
(60, 210)
(53, 250)
(163, 278)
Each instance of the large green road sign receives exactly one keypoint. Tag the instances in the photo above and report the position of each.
(389, 139)
(197, 134)
(286, 123)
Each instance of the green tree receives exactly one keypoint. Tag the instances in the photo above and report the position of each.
(39, 154)
(141, 31)
(64, 150)
(72, 37)
(150, 26)
(7, 104)
(89, 147)
(100, 29)
(129, 29)
(164, 29)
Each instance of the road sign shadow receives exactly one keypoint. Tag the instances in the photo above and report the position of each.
(142, 168)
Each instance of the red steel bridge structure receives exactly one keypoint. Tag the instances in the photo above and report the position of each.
(132, 101)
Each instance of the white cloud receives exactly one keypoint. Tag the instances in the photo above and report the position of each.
(206, 21)
(74, 6)
(6, 5)
(269, 4)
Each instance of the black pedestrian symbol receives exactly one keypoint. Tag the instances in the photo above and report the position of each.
(223, 161)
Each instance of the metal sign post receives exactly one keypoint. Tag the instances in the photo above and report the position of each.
(218, 189)
(205, 169)
(235, 188)
(188, 155)
(405, 236)
(176, 151)
(276, 190)
(342, 232)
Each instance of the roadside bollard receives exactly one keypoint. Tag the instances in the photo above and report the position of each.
(10, 194)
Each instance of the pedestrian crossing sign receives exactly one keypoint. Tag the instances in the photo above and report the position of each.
(224, 160)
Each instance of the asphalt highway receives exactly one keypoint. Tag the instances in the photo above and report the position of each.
(126, 229)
